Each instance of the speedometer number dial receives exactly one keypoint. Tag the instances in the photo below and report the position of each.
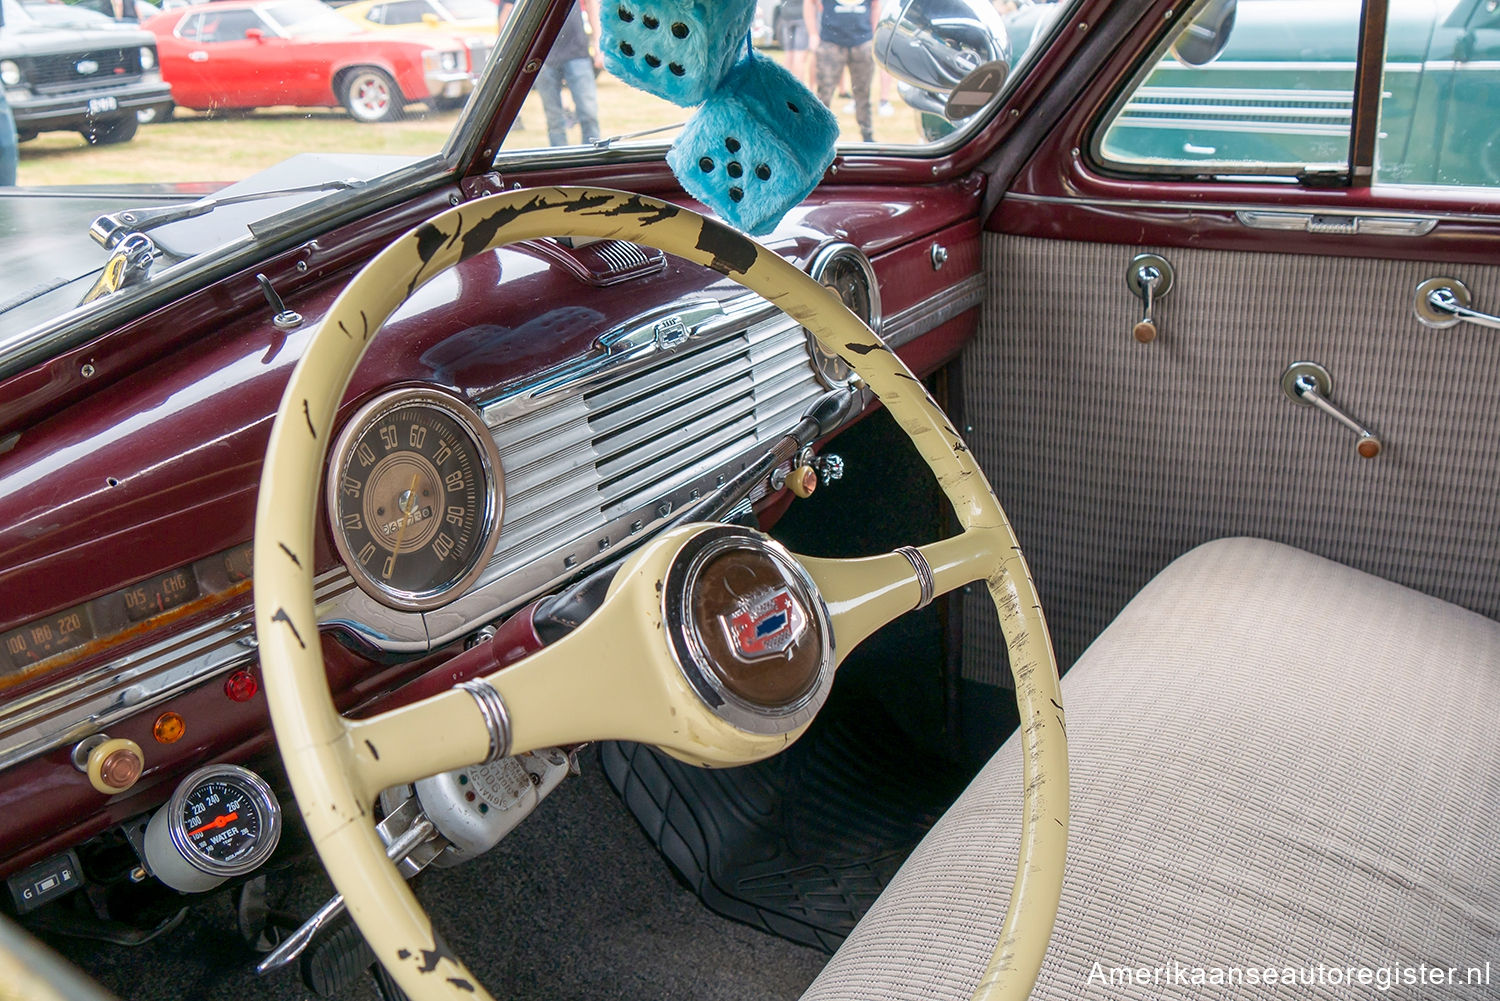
(414, 496)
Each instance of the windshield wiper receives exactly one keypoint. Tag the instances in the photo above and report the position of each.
(109, 230)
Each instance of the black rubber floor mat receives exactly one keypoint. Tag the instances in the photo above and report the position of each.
(799, 845)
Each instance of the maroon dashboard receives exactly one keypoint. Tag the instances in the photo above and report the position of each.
(130, 467)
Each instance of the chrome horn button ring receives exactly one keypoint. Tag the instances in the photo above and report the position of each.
(749, 630)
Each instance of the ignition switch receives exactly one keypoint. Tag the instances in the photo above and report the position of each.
(806, 471)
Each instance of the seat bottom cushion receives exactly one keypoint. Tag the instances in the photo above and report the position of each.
(1280, 767)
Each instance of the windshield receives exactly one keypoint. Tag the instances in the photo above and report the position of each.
(307, 19)
(468, 10)
(235, 98)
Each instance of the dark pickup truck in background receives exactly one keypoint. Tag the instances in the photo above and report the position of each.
(70, 70)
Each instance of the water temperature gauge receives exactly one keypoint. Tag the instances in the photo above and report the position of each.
(222, 821)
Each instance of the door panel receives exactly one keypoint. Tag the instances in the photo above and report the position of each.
(1114, 457)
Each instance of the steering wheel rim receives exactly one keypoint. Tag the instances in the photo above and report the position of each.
(336, 766)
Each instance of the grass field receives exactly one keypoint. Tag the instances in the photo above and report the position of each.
(227, 147)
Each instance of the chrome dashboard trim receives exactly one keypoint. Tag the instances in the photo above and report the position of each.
(86, 703)
(79, 706)
(905, 326)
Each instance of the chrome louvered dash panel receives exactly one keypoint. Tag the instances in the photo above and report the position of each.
(601, 457)
(551, 484)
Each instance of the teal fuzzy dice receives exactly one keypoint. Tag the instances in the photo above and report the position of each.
(679, 50)
(756, 148)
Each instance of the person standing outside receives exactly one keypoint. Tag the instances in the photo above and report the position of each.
(842, 34)
(575, 60)
(793, 26)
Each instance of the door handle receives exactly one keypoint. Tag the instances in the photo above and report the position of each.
(1443, 302)
(198, 56)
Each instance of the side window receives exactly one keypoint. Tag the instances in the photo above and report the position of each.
(226, 26)
(376, 14)
(192, 28)
(1439, 121)
(405, 12)
(1257, 87)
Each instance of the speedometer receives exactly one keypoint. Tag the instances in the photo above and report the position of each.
(414, 494)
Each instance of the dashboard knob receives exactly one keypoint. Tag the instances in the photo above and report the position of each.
(114, 765)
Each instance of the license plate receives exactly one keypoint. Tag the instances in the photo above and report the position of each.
(102, 105)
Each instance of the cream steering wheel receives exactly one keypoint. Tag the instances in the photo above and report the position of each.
(616, 676)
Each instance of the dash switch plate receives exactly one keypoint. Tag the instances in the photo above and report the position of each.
(48, 880)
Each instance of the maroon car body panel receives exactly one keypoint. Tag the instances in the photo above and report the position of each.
(159, 451)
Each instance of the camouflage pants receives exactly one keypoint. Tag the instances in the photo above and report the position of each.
(861, 62)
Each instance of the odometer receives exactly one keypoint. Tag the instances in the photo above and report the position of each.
(414, 494)
(36, 641)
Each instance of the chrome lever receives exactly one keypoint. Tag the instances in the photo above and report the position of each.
(295, 944)
(1309, 384)
(1149, 277)
(1443, 302)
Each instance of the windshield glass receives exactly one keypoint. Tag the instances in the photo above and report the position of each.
(468, 10)
(885, 68)
(308, 19)
(239, 97)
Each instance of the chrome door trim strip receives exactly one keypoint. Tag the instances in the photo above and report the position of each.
(1231, 208)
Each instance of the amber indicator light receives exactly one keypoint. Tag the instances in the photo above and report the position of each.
(241, 686)
(169, 728)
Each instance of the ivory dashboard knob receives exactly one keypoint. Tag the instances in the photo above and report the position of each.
(114, 765)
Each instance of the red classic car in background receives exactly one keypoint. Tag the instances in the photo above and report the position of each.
(299, 52)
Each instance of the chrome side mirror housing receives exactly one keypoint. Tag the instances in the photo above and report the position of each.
(1206, 33)
(932, 46)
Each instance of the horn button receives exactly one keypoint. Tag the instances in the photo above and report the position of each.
(749, 630)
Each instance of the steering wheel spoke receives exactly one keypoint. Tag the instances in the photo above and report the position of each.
(864, 594)
(437, 734)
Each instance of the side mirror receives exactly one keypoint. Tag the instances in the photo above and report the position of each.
(1204, 37)
(936, 45)
(255, 35)
(431, 20)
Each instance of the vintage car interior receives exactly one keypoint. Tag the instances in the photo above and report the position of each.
(466, 567)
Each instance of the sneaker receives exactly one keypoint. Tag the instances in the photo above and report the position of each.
(886, 110)
(848, 107)
(869, 137)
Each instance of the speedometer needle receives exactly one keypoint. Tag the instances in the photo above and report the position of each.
(411, 491)
(223, 821)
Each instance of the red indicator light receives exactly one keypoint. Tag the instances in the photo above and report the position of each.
(241, 686)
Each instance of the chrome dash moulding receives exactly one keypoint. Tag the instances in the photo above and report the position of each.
(84, 704)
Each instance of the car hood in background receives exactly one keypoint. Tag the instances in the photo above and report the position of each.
(48, 260)
(43, 40)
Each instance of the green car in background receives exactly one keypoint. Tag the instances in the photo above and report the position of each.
(1279, 94)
